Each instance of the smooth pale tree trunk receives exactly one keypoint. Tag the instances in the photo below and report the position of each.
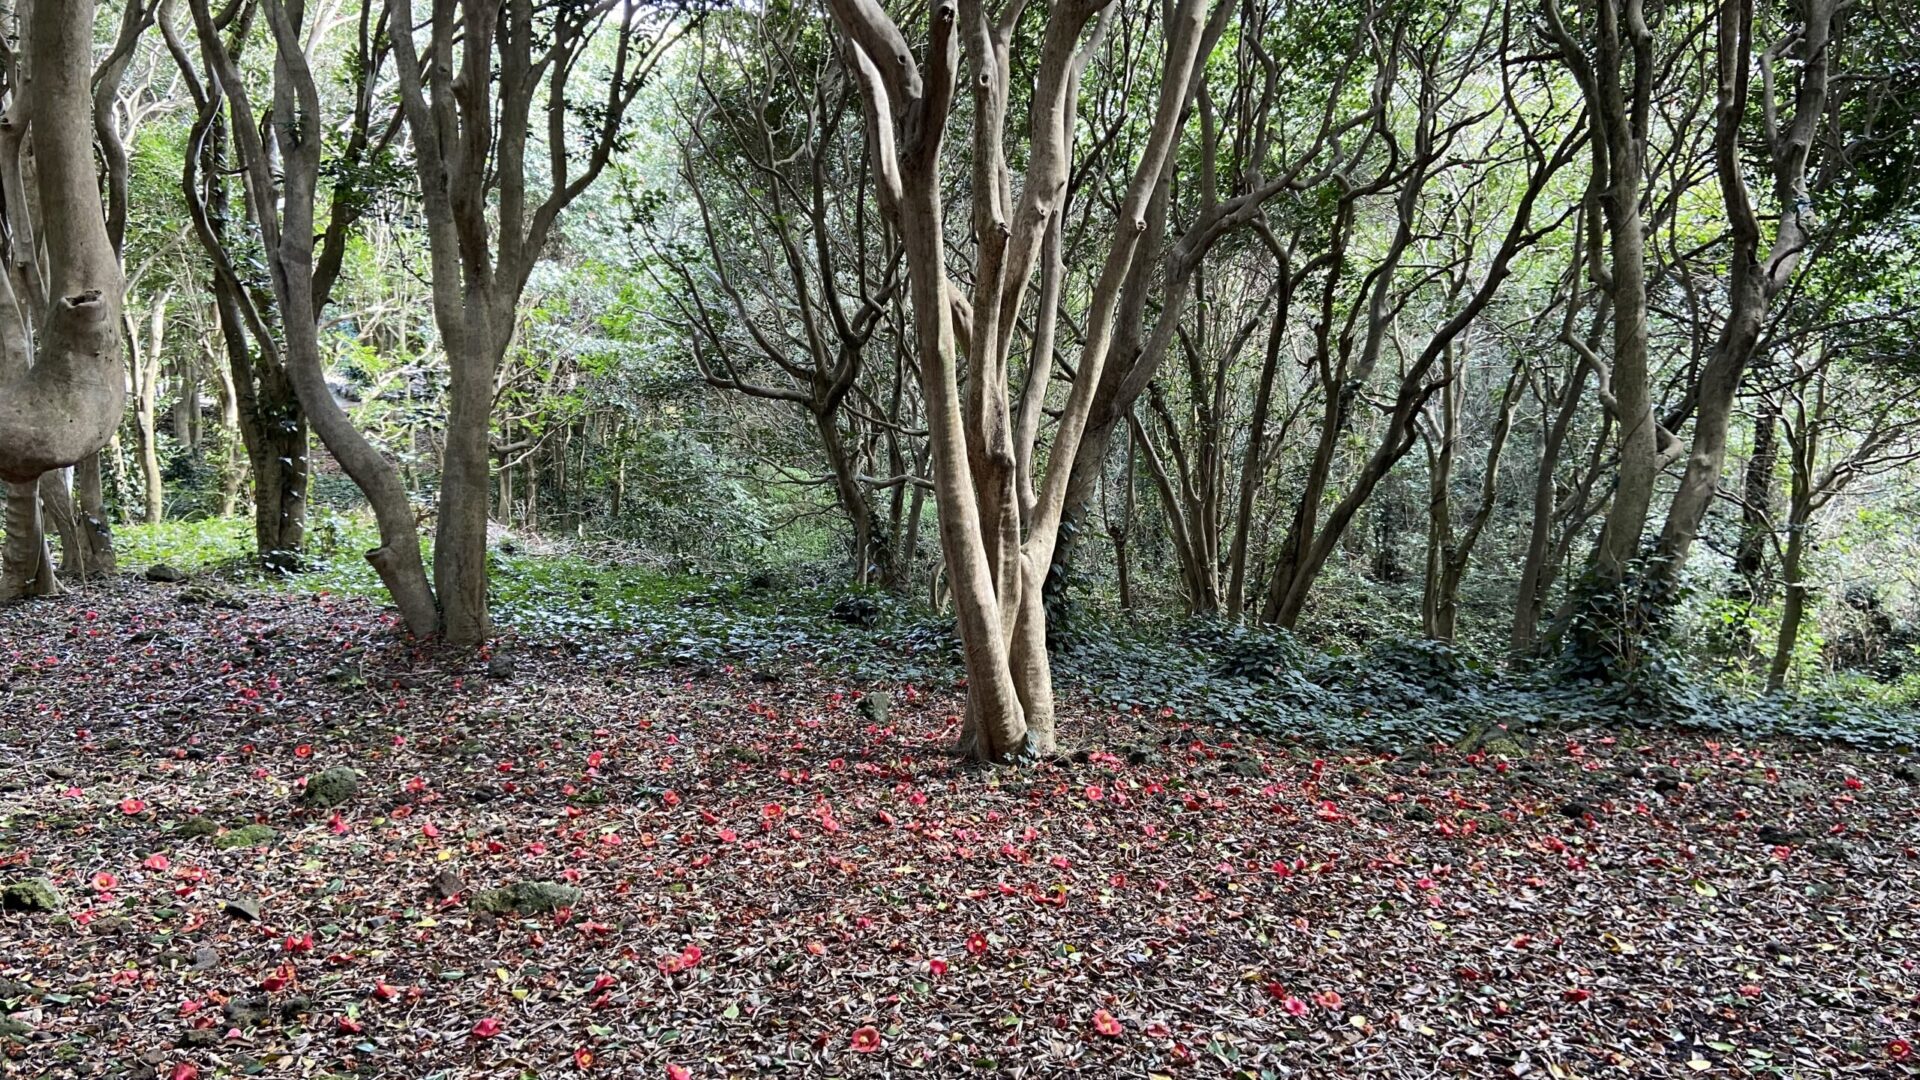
(231, 476)
(61, 380)
(29, 563)
(486, 224)
(998, 546)
(185, 405)
(146, 360)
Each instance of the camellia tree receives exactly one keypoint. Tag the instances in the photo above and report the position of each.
(999, 522)
(61, 381)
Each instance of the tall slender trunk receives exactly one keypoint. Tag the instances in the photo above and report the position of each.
(1793, 609)
(273, 429)
(282, 207)
(231, 477)
(867, 554)
(146, 380)
(1753, 281)
(1439, 600)
(1251, 464)
(1537, 568)
(1750, 559)
(90, 503)
(56, 511)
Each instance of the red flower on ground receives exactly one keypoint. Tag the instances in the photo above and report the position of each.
(1294, 1006)
(1899, 1049)
(937, 967)
(688, 958)
(156, 861)
(282, 976)
(1328, 999)
(131, 806)
(487, 1028)
(679, 1072)
(866, 1039)
(1105, 1024)
(977, 944)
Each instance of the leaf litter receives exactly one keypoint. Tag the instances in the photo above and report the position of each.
(575, 864)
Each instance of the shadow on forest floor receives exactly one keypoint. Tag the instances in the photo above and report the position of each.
(1390, 693)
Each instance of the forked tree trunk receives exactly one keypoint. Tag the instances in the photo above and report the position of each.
(1753, 281)
(1617, 81)
(869, 553)
(486, 224)
(998, 544)
(61, 382)
(284, 213)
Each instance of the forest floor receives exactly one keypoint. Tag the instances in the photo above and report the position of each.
(555, 862)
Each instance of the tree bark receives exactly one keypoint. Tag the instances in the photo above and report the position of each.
(1750, 559)
(29, 564)
(283, 212)
(96, 531)
(1753, 283)
(61, 387)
